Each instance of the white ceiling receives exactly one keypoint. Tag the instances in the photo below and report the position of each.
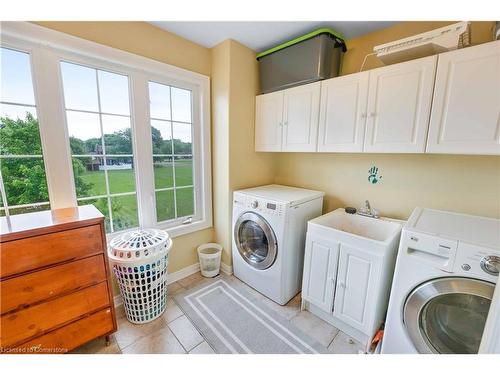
(261, 35)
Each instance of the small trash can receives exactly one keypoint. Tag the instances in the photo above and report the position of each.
(139, 260)
(209, 256)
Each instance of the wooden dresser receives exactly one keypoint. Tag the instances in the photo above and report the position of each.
(55, 287)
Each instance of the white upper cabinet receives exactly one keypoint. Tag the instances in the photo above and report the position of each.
(465, 116)
(399, 103)
(343, 113)
(300, 115)
(269, 121)
(447, 103)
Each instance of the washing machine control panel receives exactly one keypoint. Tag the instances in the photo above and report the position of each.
(264, 207)
(477, 261)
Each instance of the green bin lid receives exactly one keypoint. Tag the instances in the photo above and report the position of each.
(299, 39)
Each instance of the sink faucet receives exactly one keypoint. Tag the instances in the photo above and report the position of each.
(367, 210)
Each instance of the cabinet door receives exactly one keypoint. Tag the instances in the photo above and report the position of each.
(399, 103)
(320, 269)
(301, 114)
(465, 117)
(356, 287)
(343, 113)
(269, 121)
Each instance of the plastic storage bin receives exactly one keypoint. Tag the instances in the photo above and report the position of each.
(139, 261)
(309, 58)
(209, 256)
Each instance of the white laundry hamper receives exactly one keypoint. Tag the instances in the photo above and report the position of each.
(139, 260)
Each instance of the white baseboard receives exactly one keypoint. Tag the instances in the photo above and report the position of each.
(228, 270)
(181, 274)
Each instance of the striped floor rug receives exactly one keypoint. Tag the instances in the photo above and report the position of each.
(233, 321)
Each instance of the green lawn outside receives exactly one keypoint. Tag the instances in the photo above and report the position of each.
(123, 181)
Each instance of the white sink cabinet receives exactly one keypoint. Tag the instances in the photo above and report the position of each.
(348, 267)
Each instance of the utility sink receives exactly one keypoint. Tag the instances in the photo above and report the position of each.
(357, 230)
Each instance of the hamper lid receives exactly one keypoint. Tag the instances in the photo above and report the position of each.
(324, 30)
(140, 239)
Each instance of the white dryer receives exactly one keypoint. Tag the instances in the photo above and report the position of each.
(269, 229)
(445, 275)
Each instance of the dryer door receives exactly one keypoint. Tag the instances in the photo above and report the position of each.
(448, 315)
(255, 240)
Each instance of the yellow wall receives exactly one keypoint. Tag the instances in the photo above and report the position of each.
(236, 164)
(142, 39)
(149, 41)
(467, 184)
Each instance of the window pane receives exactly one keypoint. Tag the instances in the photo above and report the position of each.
(159, 99)
(183, 171)
(117, 134)
(181, 105)
(161, 134)
(165, 205)
(89, 176)
(163, 172)
(85, 133)
(20, 137)
(102, 205)
(124, 212)
(102, 170)
(80, 87)
(24, 180)
(16, 111)
(185, 202)
(113, 93)
(120, 175)
(17, 86)
(182, 138)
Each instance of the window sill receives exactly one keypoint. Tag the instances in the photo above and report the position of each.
(173, 232)
(183, 229)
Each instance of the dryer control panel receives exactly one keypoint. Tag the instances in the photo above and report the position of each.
(476, 261)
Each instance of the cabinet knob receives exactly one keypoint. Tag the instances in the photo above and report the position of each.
(373, 114)
(342, 285)
(363, 115)
(286, 123)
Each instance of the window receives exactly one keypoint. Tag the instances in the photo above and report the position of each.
(22, 174)
(125, 133)
(100, 136)
(171, 133)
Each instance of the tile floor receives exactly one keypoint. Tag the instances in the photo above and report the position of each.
(174, 333)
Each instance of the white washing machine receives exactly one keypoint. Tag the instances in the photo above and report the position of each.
(269, 230)
(445, 275)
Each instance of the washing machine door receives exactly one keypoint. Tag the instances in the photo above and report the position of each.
(448, 315)
(255, 240)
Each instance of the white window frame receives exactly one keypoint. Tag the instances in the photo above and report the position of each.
(47, 49)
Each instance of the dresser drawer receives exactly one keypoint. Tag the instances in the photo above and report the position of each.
(34, 287)
(70, 336)
(45, 250)
(37, 320)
